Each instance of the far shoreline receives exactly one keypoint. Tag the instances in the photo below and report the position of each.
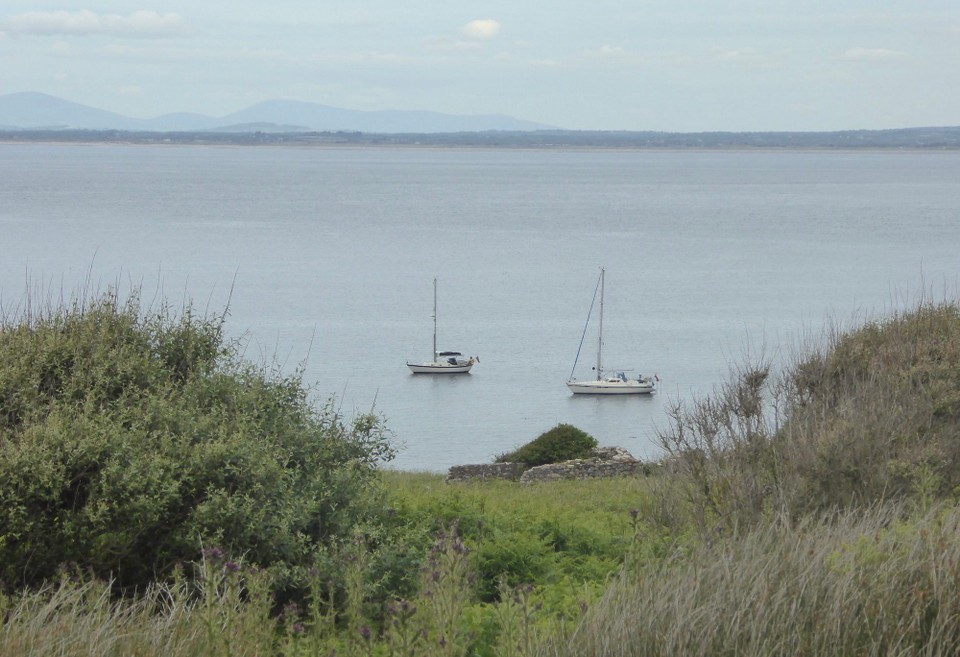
(906, 139)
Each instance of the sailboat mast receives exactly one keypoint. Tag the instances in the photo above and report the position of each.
(600, 337)
(435, 318)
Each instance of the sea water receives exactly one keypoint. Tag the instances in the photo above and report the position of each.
(325, 258)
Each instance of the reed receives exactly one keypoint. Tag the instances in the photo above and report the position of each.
(864, 415)
(874, 582)
(220, 615)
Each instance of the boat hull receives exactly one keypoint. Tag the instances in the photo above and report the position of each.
(439, 368)
(605, 384)
(611, 387)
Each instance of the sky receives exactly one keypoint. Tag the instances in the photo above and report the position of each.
(666, 65)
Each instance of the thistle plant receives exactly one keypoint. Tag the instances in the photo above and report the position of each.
(447, 585)
(234, 605)
(404, 636)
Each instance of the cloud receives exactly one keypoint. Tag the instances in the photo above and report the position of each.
(751, 58)
(139, 24)
(608, 51)
(474, 31)
(481, 29)
(873, 55)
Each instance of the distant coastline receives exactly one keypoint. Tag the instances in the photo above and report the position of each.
(945, 138)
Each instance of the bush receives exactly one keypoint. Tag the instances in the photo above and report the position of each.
(877, 415)
(564, 442)
(871, 414)
(128, 439)
(515, 558)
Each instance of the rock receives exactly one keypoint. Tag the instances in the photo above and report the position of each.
(603, 462)
(484, 471)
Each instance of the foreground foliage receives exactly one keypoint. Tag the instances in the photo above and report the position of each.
(872, 583)
(503, 568)
(807, 510)
(129, 439)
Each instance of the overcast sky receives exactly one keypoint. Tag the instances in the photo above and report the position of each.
(675, 65)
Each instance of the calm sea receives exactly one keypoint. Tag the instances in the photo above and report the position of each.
(327, 258)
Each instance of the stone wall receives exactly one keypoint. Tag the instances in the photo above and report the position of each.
(605, 462)
(583, 469)
(484, 471)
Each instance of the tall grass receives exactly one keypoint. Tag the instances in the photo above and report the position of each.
(876, 413)
(220, 613)
(868, 415)
(866, 583)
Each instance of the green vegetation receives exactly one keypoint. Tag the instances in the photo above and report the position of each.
(868, 416)
(565, 534)
(810, 509)
(877, 581)
(564, 442)
(130, 439)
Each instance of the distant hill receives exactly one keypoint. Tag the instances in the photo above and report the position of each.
(30, 116)
(31, 111)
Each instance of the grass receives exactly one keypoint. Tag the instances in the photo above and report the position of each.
(522, 564)
(79, 617)
(601, 507)
(875, 582)
(550, 534)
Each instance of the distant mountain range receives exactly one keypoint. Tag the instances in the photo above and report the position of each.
(37, 111)
(30, 116)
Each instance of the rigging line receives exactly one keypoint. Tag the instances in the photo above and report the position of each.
(586, 324)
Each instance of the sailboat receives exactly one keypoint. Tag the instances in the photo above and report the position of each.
(444, 362)
(605, 384)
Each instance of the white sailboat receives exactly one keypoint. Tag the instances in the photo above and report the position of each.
(605, 384)
(444, 362)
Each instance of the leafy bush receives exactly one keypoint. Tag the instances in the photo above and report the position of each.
(564, 442)
(574, 530)
(129, 438)
(514, 558)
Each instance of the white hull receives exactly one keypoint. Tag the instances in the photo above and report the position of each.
(606, 384)
(611, 387)
(439, 368)
(444, 362)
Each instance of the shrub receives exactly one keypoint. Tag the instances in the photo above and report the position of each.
(869, 415)
(129, 437)
(561, 443)
(877, 414)
(515, 558)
